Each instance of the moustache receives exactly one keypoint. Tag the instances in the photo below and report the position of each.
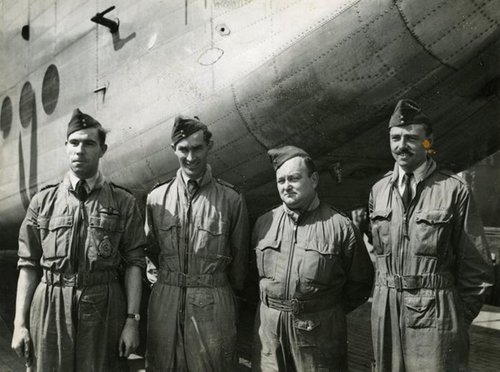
(403, 152)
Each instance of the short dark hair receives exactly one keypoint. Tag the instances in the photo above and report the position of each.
(428, 130)
(101, 133)
(207, 135)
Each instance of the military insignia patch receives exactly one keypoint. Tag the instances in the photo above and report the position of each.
(105, 249)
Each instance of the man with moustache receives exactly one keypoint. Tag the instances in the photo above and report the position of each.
(313, 269)
(432, 262)
(77, 234)
(197, 226)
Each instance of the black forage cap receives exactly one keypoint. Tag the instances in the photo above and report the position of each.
(184, 126)
(281, 154)
(79, 121)
(408, 112)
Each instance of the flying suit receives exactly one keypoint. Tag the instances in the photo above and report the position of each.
(433, 269)
(201, 242)
(313, 269)
(78, 309)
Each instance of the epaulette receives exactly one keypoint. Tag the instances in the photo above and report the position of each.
(452, 175)
(163, 183)
(227, 184)
(121, 187)
(49, 186)
(388, 174)
(339, 211)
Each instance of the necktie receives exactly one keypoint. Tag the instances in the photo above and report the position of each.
(407, 194)
(81, 190)
(192, 186)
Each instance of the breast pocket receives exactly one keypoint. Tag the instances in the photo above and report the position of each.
(381, 231)
(211, 237)
(106, 233)
(267, 255)
(431, 231)
(167, 233)
(318, 264)
(55, 235)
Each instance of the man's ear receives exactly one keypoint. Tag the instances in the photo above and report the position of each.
(315, 179)
(104, 148)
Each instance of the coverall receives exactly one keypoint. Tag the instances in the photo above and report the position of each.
(433, 268)
(313, 269)
(202, 244)
(78, 309)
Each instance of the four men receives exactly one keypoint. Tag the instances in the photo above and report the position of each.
(313, 269)
(197, 229)
(78, 233)
(432, 261)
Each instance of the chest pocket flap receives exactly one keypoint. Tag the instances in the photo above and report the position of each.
(323, 248)
(384, 214)
(55, 222)
(433, 217)
(268, 244)
(106, 223)
(168, 223)
(213, 226)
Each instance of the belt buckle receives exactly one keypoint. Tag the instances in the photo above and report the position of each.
(295, 306)
(398, 282)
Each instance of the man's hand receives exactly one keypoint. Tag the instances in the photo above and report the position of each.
(21, 342)
(129, 340)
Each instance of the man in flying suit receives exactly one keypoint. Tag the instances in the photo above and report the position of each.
(432, 262)
(197, 228)
(313, 269)
(78, 233)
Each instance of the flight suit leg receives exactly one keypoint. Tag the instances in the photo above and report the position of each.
(318, 340)
(268, 354)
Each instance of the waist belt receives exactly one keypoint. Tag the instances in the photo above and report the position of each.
(79, 280)
(179, 279)
(405, 282)
(296, 306)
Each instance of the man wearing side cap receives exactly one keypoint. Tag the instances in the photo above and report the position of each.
(313, 269)
(197, 227)
(432, 261)
(76, 234)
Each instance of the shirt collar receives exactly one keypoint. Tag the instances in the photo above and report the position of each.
(207, 176)
(418, 174)
(73, 179)
(294, 215)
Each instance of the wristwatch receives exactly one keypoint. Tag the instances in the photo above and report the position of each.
(134, 316)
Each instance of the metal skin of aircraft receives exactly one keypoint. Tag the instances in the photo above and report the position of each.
(323, 75)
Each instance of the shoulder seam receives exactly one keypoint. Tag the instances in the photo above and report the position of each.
(452, 175)
(162, 183)
(121, 187)
(227, 184)
(49, 186)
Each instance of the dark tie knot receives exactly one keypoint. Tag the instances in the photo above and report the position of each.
(407, 177)
(192, 186)
(81, 190)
